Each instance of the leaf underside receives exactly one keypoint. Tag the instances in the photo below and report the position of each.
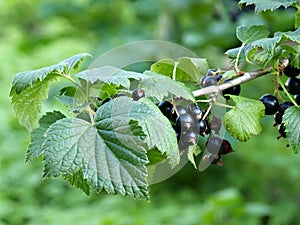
(264, 5)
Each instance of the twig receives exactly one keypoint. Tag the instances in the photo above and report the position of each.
(242, 79)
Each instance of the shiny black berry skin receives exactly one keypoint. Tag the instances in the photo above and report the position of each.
(190, 138)
(167, 109)
(235, 90)
(277, 119)
(137, 94)
(197, 112)
(297, 99)
(225, 148)
(209, 81)
(271, 104)
(211, 72)
(219, 77)
(293, 85)
(214, 145)
(283, 106)
(281, 130)
(184, 122)
(291, 71)
(181, 110)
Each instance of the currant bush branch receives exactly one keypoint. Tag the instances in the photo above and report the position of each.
(242, 79)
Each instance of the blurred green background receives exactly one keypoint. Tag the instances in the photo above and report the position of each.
(258, 184)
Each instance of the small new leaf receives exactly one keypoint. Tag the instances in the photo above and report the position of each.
(160, 86)
(291, 119)
(244, 120)
(37, 135)
(264, 5)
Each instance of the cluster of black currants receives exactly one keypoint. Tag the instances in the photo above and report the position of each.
(214, 77)
(272, 106)
(187, 122)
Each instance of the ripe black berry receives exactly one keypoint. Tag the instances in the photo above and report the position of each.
(211, 72)
(219, 77)
(216, 124)
(167, 109)
(225, 148)
(297, 99)
(209, 81)
(293, 85)
(235, 90)
(214, 145)
(271, 104)
(181, 110)
(283, 106)
(291, 71)
(190, 138)
(184, 122)
(197, 112)
(277, 119)
(281, 130)
(137, 94)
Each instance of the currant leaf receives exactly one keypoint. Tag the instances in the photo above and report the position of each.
(159, 131)
(192, 152)
(37, 135)
(77, 180)
(160, 86)
(110, 75)
(248, 34)
(291, 119)
(243, 120)
(264, 5)
(297, 18)
(25, 79)
(28, 104)
(187, 69)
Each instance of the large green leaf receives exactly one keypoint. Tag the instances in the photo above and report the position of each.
(160, 86)
(111, 75)
(297, 18)
(187, 69)
(28, 104)
(37, 135)
(243, 120)
(77, 179)
(263, 5)
(291, 119)
(248, 34)
(160, 133)
(289, 35)
(24, 79)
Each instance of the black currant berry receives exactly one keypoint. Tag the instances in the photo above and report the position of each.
(209, 81)
(181, 110)
(291, 71)
(182, 146)
(137, 94)
(106, 100)
(214, 145)
(293, 85)
(283, 106)
(219, 77)
(216, 124)
(119, 95)
(167, 109)
(235, 90)
(281, 130)
(201, 128)
(271, 104)
(211, 72)
(197, 112)
(297, 99)
(184, 122)
(225, 148)
(190, 138)
(277, 119)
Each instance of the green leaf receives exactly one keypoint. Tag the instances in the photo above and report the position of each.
(110, 153)
(37, 135)
(290, 35)
(264, 5)
(110, 75)
(193, 151)
(160, 86)
(248, 34)
(68, 91)
(77, 179)
(297, 18)
(244, 120)
(155, 156)
(28, 104)
(159, 131)
(187, 69)
(291, 119)
(25, 79)
(233, 53)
